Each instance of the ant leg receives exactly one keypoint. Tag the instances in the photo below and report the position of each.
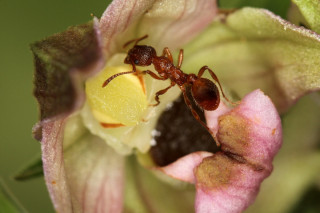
(161, 92)
(180, 58)
(196, 116)
(200, 73)
(166, 52)
(153, 75)
(136, 40)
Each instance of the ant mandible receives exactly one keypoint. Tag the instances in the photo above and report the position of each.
(205, 93)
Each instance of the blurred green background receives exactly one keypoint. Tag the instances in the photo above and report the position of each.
(23, 22)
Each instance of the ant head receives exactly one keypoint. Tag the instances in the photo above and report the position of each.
(140, 55)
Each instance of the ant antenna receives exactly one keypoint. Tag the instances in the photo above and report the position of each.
(106, 82)
(114, 76)
(135, 40)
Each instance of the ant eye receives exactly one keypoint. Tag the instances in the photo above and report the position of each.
(136, 61)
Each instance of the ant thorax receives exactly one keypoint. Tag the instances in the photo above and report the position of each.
(163, 65)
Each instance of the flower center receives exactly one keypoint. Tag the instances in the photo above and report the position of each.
(121, 102)
(179, 134)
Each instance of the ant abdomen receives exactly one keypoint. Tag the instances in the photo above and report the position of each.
(206, 94)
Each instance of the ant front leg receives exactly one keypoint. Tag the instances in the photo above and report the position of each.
(161, 92)
(196, 116)
(166, 52)
(180, 58)
(136, 40)
(200, 73)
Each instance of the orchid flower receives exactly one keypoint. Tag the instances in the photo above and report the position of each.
(89, 134)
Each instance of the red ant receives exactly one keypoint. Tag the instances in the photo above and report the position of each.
(205, 93)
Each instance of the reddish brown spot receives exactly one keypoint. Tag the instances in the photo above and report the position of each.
(53, 182)
(107, 125)
(215, 171)
(273, 131)
(234, 133)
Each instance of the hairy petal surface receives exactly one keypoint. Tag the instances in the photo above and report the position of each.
(85, 176)
(253, 48)
(161, 20)
(61, 62)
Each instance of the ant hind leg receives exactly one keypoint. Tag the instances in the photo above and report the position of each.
(200, 73)
(196, 116)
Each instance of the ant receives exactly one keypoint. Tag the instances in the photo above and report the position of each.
(205, 93)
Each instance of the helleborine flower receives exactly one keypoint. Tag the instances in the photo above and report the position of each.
(84, 161)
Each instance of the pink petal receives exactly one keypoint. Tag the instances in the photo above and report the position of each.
(250, 135)
(212, 116)
(117, 18)
(224, 185)
(168, 23)
(182, 169)
(177, 22)
(86, 177)
(264, 133)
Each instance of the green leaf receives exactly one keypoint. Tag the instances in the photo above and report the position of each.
(253, 48)
(8, 204)
(56, 58)
(32, 170)
(310, 9)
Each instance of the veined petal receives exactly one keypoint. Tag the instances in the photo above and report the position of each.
(161, 20)
(253, 48)
(117, 18)
(85, 177)
(177, 22)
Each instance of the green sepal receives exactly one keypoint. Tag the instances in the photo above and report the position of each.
(56, 59)
(310, 10)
